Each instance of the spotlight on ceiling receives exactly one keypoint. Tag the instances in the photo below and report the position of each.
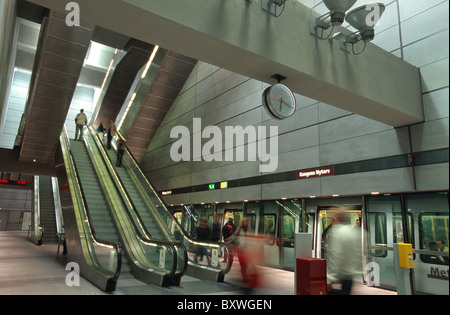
(364, 19)
(337, 13)
(271, 6)
(337, 9)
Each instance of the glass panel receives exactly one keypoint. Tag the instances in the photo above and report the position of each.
(270, 225)
(253, 212)
(397, 228)
(433, 230)
(378, 233)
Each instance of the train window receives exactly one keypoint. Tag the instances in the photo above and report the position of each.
(433, 236)
(378, 233)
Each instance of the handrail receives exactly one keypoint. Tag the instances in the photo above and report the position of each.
(65, 137)
(57, 203)
(136, 212)
(209, 243)
(175, 221)
(120, 188)
(38, 234)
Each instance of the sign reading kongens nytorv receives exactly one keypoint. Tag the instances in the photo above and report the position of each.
(315, 172)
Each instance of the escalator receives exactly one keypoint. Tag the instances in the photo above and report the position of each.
(98, 260)
(98, 209)
(47, 210)
(159, 222)
(109, 218)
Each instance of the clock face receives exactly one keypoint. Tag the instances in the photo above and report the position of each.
(279, 101)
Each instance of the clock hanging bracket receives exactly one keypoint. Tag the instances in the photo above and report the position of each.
(278, 77)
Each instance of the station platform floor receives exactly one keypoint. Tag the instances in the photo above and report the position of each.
(27, 269)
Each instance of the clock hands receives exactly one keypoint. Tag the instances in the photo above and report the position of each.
(281, 100)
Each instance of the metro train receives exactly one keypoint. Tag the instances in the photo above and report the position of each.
(421, 219)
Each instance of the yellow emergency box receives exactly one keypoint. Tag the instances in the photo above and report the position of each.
(405, 254)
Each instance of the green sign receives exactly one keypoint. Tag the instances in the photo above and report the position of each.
(211, 186)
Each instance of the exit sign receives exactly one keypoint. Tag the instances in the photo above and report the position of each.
(211, 186)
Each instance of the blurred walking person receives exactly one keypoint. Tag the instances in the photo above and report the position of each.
(227, 230)
(247, 250)
(343, 254)
(203, 234)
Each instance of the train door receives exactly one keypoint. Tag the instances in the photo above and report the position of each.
(384, 225)
(430, 241)
(294, 219)
(324, 225)
(419, 219)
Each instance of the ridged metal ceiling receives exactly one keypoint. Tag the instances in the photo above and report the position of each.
(137, 54)
(57, 66)
(59, 59)
(171, 77)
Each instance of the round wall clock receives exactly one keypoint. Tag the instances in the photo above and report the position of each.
(279, 101)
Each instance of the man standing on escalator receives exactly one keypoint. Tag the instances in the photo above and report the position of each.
(80, 121)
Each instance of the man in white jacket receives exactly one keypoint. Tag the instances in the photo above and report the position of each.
(344, 254)
(80, 121)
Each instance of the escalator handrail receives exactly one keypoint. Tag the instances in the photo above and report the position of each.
(181, 245)
(179, 226)
(116, 246)
(143, 239)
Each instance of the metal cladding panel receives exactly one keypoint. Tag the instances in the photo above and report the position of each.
(57, 66)
(124, 74)
(166, 86)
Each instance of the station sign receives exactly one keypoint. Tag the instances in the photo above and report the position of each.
(13, 182)
(315, 172)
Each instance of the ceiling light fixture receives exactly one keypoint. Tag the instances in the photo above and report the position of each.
(271, 6)
(337, 13)
(364, 19)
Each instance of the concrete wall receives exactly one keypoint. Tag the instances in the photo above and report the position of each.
(317, 134)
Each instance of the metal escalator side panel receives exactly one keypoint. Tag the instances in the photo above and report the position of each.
(159, 209)
(150, 222)
(99, 261)
(144, 255)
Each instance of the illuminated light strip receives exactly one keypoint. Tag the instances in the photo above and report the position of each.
(126, 110)
(149, 62)
(104, 82)
(109, 70)
(144, 74)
